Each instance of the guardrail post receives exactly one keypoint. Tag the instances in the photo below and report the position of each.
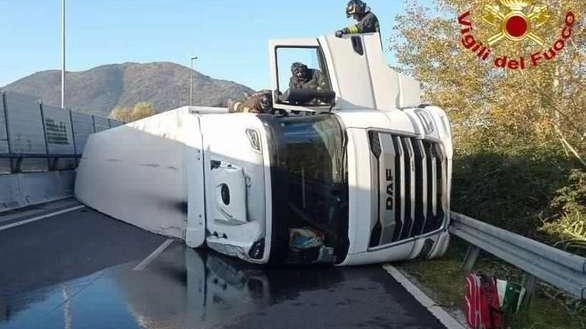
(470, 258)
(530, 284)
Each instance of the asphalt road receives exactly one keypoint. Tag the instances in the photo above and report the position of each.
(79, 270)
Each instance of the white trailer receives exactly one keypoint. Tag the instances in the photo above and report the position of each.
(362, 176)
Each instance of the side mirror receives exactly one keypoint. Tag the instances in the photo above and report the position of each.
(301, 96)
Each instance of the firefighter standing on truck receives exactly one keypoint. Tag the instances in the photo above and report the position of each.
(367, 20)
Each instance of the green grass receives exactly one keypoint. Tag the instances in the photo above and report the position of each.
(443, 280)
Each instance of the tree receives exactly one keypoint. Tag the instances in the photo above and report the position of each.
(143, 110)
(139, 111)
(517, 132)
(498, 108)
(123, 114)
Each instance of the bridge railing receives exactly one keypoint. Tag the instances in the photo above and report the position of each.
(561, 269)
(35, 137)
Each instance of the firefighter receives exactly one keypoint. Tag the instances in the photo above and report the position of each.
(367, 20)
(303, 77)
(260, 102)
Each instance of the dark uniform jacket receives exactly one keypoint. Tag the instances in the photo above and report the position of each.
(368, 24)
(316, 82)
(259, 102)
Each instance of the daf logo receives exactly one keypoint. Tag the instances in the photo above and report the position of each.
(390, 190)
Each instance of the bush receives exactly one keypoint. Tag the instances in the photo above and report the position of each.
(568, 221)
(511, 190)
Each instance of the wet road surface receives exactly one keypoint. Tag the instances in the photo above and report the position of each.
(77, 270)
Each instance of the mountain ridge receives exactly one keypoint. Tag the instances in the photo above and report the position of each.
(100, 89)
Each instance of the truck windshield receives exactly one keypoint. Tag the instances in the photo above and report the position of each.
(310, 189)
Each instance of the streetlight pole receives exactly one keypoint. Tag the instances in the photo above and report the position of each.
(63, 54)
(191, 82)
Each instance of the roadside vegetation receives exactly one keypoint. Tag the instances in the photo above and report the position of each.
(519, 139)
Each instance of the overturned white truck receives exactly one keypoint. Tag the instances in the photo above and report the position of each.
(362, 176)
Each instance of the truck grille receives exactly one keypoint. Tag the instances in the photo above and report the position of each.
(412, 180)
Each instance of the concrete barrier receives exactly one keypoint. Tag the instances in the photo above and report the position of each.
(22, 190)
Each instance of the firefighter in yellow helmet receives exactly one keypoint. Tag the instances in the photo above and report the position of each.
(367, 20)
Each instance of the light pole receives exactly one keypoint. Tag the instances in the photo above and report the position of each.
(191, 82)
(63, 54)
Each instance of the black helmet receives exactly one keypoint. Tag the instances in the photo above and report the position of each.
(299, 70)
(355, 7)
(266, 100)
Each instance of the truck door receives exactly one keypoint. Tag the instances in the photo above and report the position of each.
(234, 177)
(308, 89)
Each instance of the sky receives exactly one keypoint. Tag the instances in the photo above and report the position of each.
(230, 37)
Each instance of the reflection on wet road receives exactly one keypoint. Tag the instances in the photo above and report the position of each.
(182, 287)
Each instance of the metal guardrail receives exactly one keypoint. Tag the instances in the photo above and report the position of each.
(561, 269)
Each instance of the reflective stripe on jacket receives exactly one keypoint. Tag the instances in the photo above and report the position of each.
(368, 24)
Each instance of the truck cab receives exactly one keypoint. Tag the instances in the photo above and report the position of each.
(355, 172)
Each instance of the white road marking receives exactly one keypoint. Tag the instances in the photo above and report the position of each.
(444, 317)
(153, 255)
(34, 219)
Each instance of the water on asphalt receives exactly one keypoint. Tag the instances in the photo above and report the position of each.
(77, 271)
